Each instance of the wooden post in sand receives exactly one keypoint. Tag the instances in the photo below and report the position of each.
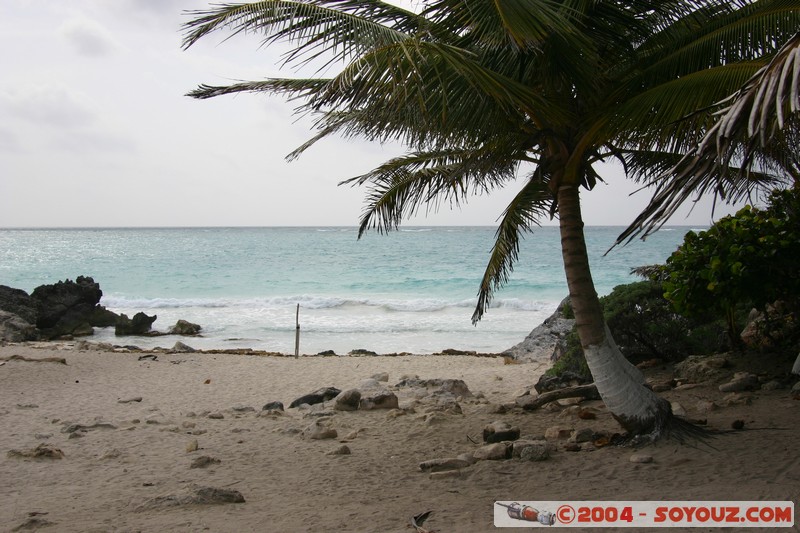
(297, 334)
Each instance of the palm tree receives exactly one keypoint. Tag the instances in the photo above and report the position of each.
(486, 94)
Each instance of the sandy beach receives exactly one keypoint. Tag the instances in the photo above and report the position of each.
(130, 433)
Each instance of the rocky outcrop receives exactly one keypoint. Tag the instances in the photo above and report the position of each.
(18, 302)
(14, 329)
(318, 396)
(185, 328)
(543, 342)
(140, 324)
(70, 308)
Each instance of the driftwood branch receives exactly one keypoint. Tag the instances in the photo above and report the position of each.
(588, 392)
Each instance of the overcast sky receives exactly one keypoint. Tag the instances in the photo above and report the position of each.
(95, 130)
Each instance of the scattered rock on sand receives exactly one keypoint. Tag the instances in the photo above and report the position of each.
(180, 347)
(341, 450)
(348, 400)
(742, 381)
(204, 461)
(33, 523)
(193, 446)
(493, 452)
(318, 396)
(130, 400)
(706, 406)
(581, 435)
(273, 406)
(201, 496)
(499, 431)
(558, 432)
(74, 428)
(532, 451)
(318, 431)
(378, 400)
(441, 465)
(42, 451)
(699, 368)
(641, 458)
(456, 387)
(678, 409)
(381, 376)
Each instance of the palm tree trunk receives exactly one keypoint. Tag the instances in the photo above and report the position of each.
(620, 384)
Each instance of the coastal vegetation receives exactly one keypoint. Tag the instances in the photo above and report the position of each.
(531, 94)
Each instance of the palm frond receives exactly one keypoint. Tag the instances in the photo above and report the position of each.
(402, 186)
(752, 146)
(327, 29)
(529, 206)
(298, 88)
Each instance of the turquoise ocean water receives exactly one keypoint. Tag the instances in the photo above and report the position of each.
(412, 290)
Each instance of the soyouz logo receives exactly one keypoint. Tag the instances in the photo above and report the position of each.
(639, 514)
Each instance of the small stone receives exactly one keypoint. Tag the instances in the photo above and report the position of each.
(192, 446)
(216, 416)
(381, 376)
(738, 424)
(318, 396)
(558, 432)
(180, 347)
(581, 435)
(317, 431)
(242, 409)
(348, 400)
(42, 451)
(742, 381)
(534, 452)
(381, 400)
(526, 401)
(706, 406)
(131, 400)
(677, 409)
(572, 447)
(204, 461)
(341, 450)
(772, 385)
(641, 458)
(499, 431)
(188, 425)
(736, 398)
(273, 406)
(566, 402)
(493, 452)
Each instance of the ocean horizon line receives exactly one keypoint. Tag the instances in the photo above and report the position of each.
(310, 226)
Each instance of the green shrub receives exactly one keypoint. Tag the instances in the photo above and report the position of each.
(645, 325)
(742, 261)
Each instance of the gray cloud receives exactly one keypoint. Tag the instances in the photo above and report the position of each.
(9, 143)
(88, 37)
(52, 105)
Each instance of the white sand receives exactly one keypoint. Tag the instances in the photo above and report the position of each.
(290, 484)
